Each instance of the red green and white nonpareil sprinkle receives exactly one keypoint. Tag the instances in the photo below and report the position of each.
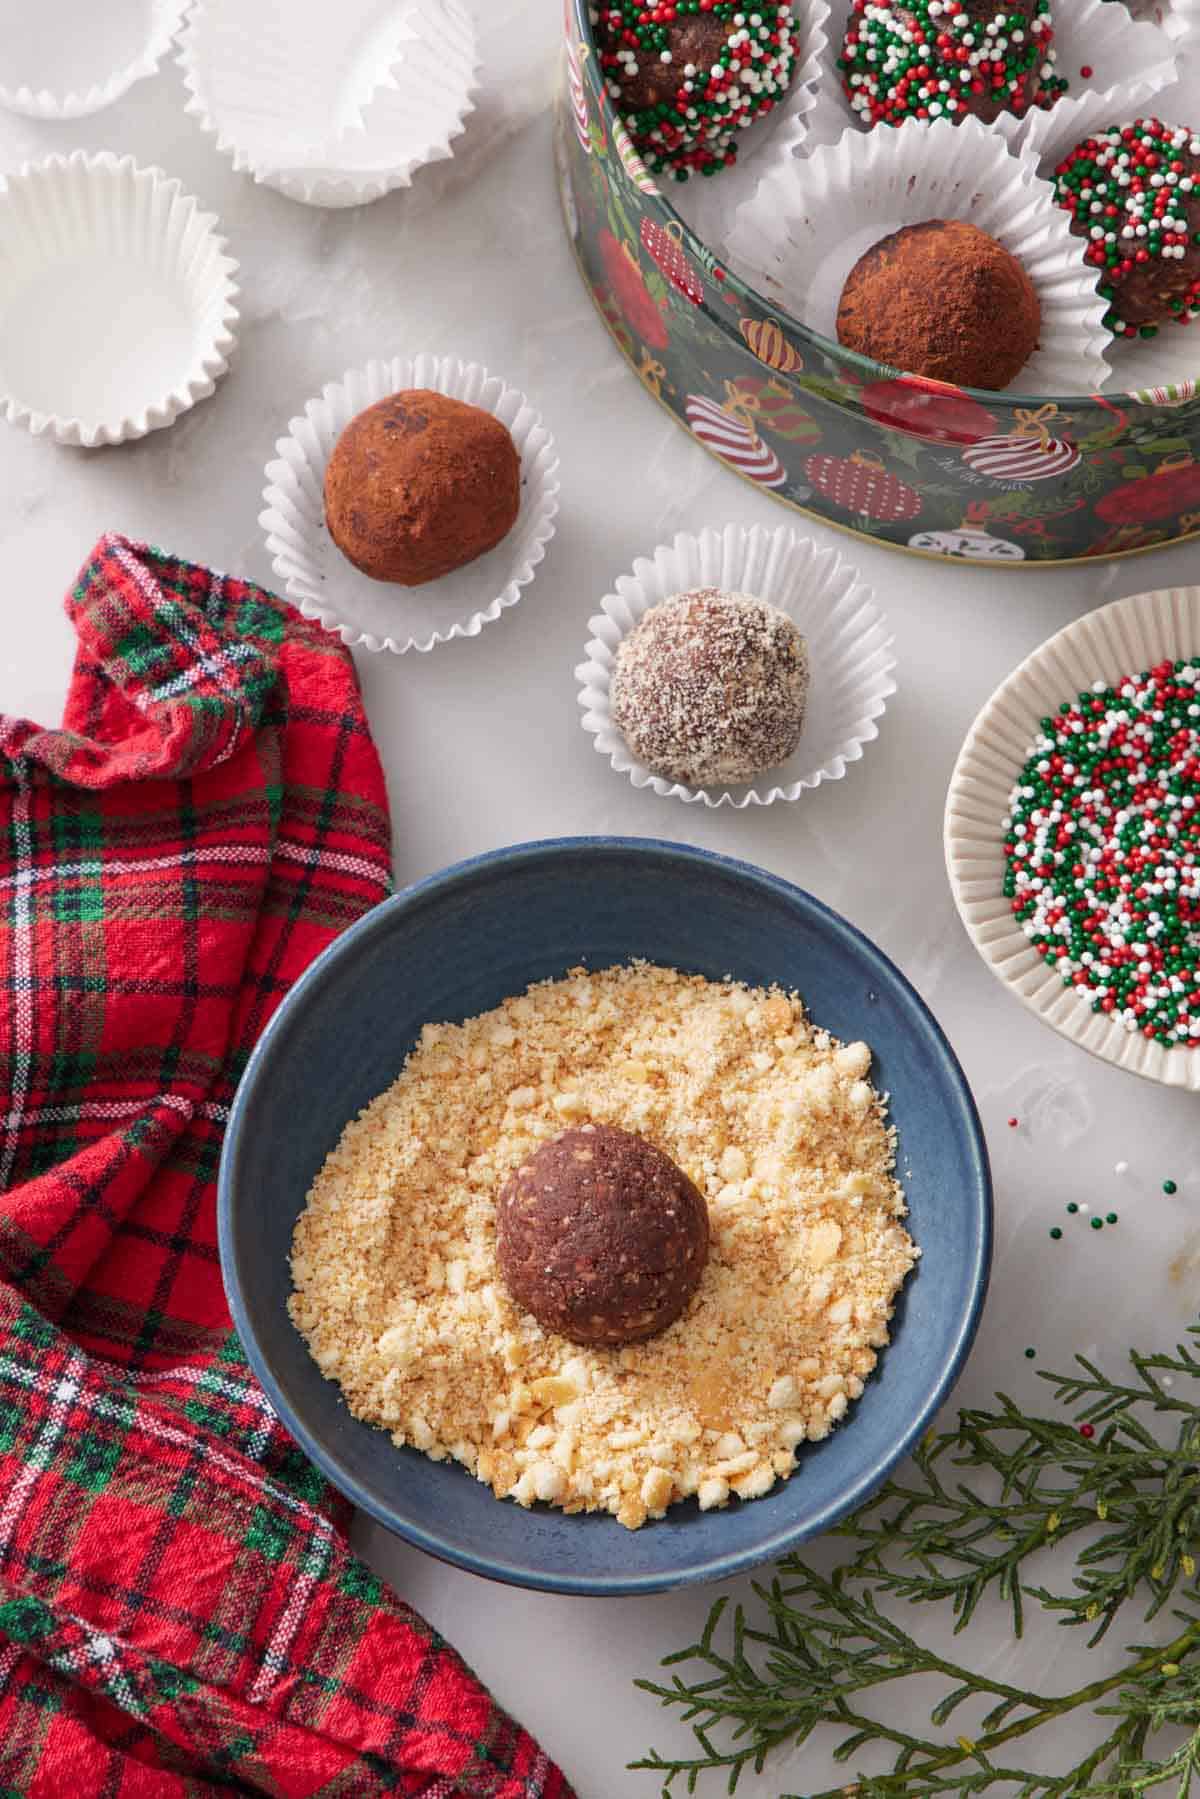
(1102, 849)
(695, 130)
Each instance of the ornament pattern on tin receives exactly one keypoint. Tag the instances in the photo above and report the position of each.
(978, 546)
(665, 250)
(1019, 459)
(860, 483)
(764, 337)
(733, 442)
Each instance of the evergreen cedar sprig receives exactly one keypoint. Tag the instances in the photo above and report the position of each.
(823, 1645)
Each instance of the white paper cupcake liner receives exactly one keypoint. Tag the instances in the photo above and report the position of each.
(808, 224)
(117, 302)
(331, 105)
(1129, 59)
(377, 614)
(1119, 639)
(63, 59)
(708, 206)
(849, 648)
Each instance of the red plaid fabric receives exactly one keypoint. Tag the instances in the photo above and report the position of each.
(179, 1611)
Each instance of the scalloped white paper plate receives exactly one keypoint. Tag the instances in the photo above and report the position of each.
(64, 59)
(1127, 636)
(377, 614)
(849, 651)
(116, 299)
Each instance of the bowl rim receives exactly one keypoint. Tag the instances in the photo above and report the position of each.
(796, 329)
(984, 774)
(715, 1567)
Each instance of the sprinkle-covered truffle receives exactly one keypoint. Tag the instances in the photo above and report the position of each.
(944, 300)
(1133, 193)
(710, 687)
(1102, 849)
(688, 76)
(932, 59)
(601, 1236)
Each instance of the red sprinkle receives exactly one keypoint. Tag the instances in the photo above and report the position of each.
(1087, 71)
(1013, 1123)
(1087, 1430)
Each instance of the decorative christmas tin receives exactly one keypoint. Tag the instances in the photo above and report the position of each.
(984, 477)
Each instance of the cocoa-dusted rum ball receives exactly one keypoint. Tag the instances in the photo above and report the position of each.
(944, 300)
(601, 1236)
(1133, 193)
(419, 485)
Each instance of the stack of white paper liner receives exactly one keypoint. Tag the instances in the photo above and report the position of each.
(331, 105)
(62, 59)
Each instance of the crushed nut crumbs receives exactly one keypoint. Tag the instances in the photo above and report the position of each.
(399, 1298)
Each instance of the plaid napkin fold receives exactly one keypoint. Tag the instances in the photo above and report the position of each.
(179, 1610)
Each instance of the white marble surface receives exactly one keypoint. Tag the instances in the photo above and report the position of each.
(483, 747)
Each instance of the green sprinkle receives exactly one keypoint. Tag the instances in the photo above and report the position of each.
(1097, 1224)
(1055, 1232)
(1030, 1353)
(1071, 1206)
(1110, 1218)
(1170, 1187)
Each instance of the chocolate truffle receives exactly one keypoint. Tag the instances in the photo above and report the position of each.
(942, 299)
(601, 1236)
(710, 687)
(687, 84)
(931, 59)
(1132, 193)
(419, 485)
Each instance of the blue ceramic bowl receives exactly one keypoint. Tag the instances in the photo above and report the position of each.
(459, 943)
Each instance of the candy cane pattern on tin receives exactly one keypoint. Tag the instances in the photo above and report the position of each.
(733, 443)
(632, 163)
(579, 107)
(1020, 459)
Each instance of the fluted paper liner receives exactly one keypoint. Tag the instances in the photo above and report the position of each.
(810, 221)
(381, 615)
(1130, 59)
(708, 204)
(116, 303)
(64, 59)
(849, 648)
(1117, 640)
(331, 105)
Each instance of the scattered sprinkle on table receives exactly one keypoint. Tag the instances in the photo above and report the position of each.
(1170, 1187)
(1102, 850)
(1030, 1353)
(1056, 1231)
(1121, 1168)
(1097, 1224)
(1071, 1206)
(1110, 1218)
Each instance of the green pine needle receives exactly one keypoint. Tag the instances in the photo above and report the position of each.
(961, 1522)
